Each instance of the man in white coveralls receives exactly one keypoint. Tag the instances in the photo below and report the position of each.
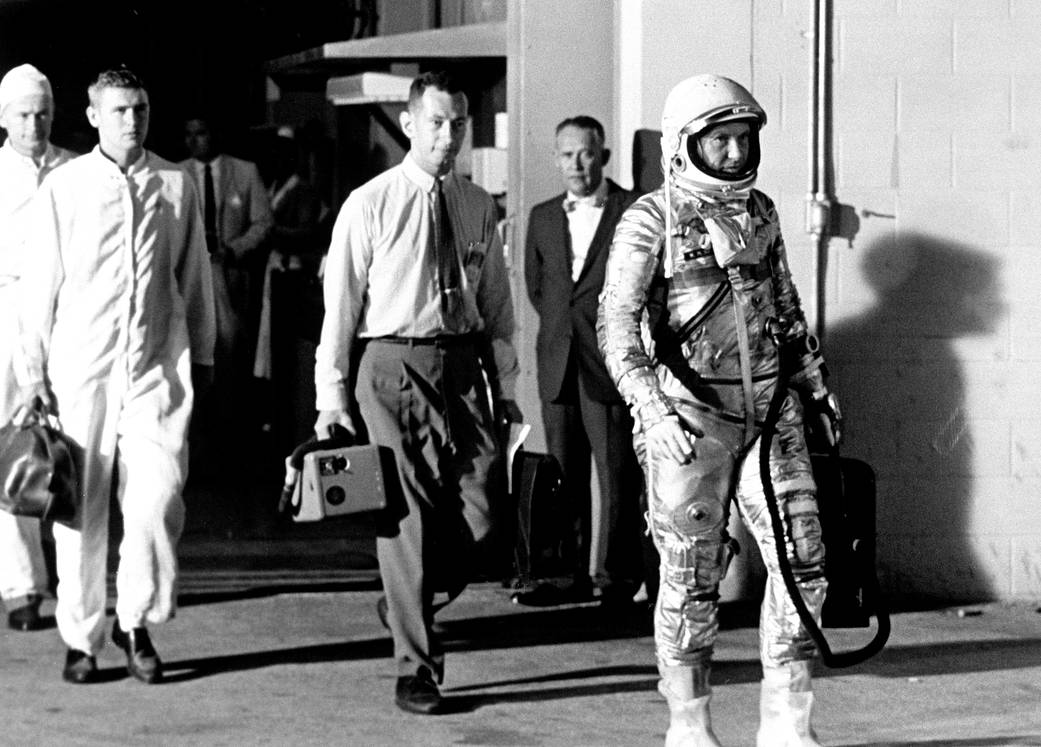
(117, 310)
(26, 157)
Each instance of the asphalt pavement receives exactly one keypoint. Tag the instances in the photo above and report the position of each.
(277, 642)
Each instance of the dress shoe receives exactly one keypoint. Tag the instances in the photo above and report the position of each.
(618, 595)
(418, 693)
(551, 595)
(27, 617)
(381, 611)
(80, 667)
(142, 660)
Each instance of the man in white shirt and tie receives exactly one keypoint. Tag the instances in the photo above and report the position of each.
(418, 332)
(585, 418)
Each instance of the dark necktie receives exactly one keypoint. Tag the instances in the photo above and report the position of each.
(447, 264)
(209, 209)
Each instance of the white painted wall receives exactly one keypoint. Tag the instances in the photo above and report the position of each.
(932, 310)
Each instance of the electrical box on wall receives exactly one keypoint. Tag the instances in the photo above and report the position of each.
(489, 169)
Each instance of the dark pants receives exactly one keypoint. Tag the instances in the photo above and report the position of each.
(429, 403)
(580, 429)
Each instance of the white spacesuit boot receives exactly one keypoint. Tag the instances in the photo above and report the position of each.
(687, 692)
(785, 703)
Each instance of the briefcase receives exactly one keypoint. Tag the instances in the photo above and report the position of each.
(846, 507)
(38, 475)
(536, 481)
(329, 478)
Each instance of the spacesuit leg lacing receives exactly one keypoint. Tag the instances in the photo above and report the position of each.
(744, 353)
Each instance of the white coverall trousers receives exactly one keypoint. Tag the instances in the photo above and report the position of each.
(126, 439)
(22, 569)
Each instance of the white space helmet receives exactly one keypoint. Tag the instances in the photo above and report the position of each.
(694, 105)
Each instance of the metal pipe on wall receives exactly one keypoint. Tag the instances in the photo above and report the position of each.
(819, 196)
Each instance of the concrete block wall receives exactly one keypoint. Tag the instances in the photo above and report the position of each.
(952, 318)
(932, 316)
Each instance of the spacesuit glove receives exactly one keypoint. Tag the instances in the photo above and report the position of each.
(329, 418)
(668, 437)
(829, 416)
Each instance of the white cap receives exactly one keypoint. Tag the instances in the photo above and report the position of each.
(24, 80)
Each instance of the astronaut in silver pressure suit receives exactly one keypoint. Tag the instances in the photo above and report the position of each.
(696, 332)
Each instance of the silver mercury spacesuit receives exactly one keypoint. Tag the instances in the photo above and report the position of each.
(690, 330)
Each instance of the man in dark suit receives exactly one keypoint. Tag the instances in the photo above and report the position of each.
(565, 257)
(237, 219)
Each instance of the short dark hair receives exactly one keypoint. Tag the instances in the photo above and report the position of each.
(583, 122)
(212, 125)
(120, 77)
(439, 80)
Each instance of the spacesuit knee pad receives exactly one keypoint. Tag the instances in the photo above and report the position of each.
(695, 565)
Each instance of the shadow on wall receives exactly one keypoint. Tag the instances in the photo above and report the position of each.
(902, 386)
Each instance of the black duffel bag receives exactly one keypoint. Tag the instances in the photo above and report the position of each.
(37, 471)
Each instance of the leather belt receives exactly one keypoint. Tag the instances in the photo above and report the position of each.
(441, 341)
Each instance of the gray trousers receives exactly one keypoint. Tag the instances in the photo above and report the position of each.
(429, 404)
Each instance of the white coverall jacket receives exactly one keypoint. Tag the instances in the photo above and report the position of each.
(22, 569)
(118, 305)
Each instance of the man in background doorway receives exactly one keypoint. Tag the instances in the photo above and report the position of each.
(585, 418)
(237, 220)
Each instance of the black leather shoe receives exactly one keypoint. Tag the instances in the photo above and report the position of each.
(381, 610)
(418, 693)
(80, 667)
(26, 617)
(550, 595)
(617, 595)
(142, 660)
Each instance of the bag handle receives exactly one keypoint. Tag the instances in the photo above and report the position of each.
(35, 412)
(338, 436)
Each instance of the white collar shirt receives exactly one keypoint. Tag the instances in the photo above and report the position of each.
(583, 217)
(380, 279)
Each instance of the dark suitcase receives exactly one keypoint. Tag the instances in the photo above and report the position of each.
(846, 505)
(536, 481)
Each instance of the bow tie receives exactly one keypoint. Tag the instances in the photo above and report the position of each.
(593, 201)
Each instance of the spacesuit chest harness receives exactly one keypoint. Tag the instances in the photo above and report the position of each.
(720, 258)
